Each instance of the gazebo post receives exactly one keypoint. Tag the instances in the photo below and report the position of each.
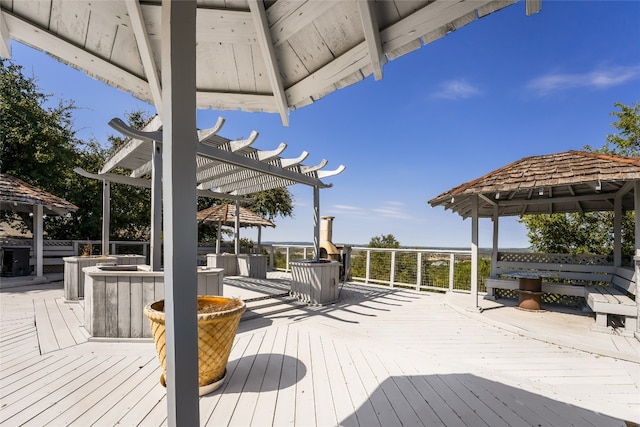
(106, 215)
(38, 237)
(156, 207)
(179, 146)
(494, 250)
(474, 253)
(617, 231)
(219, 237)
(636, 258)
(259, 239)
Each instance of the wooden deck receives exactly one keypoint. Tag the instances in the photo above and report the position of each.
(379, 356)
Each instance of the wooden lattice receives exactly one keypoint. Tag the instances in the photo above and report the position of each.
(535, 257)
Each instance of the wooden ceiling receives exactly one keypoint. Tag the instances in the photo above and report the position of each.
(253, 55)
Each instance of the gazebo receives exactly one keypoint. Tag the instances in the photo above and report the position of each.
(18, 196)
(236, 217)
(571, 181)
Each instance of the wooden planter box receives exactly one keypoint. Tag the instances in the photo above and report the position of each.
(115, 300)
(228, 262)
(315, 283)
(252, 266)
(130, 259)
(74, 277)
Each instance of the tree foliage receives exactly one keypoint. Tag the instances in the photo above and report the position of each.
(592, 232)
(38, 145)
(384, 241)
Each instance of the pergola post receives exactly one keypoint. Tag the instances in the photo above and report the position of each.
(236, 230)
(38, 237)
(179, 142)
(156, 207)
(316, 223)
(474, 253)
(106, 215)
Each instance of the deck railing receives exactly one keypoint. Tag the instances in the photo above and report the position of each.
(421, 269)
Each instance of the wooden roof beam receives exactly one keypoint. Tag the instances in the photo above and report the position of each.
(5, 39)
(269, 55)
(372, 36)
(146, 53)
(257, 166)
(146, 183)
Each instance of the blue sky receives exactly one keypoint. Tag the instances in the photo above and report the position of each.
(500, 89)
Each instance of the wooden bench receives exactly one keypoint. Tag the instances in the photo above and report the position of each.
(613, 300)
(576, 274)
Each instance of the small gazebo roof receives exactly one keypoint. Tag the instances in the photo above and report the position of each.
(226, 214)
(16, 195)
(572, 181)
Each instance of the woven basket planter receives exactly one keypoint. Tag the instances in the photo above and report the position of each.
(216, 332)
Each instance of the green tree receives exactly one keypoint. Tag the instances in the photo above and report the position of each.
(384, 241)
(38, 145)
(592, 232)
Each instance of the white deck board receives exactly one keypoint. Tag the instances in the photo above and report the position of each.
(377, 357)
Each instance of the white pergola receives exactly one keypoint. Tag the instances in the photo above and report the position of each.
(225, 169)
(224, 54)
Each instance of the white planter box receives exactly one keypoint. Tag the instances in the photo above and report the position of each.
(114, 300)
(315, 283)
(252, 266)
(228, 262)
(74, 277)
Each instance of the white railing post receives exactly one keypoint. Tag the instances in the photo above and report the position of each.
(304, 252)
(368, 268)
(287, 266)
(452, 264)
(271, 257)
(419, 271)
(113, 249)
(392, 277)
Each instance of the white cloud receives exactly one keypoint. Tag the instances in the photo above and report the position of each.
(598, 79)
(456, 89)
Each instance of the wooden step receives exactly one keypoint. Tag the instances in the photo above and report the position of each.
(268, 306)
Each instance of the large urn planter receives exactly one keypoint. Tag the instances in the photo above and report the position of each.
(218, 319)
(74, 276)
(315, 282)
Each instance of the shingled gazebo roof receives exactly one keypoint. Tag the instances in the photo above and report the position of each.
(226, 214)
(16, 195)
(572, 181)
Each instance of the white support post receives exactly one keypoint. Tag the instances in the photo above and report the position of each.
(316, 223)
(271, 261)
(37, 237)
(452, 267)
(368, 269)
(156, 207)
(392, 275)
(179, 139)
(236, 230)
(494, 249)
(636, 206)
(106, 215)
(219, 237)
(474, 254)
(419, 271)
(617, 231)
(286, 268)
